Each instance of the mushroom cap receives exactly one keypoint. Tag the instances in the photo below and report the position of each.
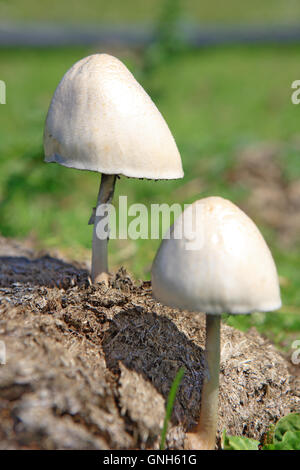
(101, 119)
(214, 261)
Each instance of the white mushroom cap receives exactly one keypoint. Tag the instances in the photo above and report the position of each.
(220, 264)
(101, 119)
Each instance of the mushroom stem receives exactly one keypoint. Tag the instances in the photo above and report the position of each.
(99, 249)
(203, 436)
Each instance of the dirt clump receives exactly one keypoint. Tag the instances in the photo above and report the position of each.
(90, 367)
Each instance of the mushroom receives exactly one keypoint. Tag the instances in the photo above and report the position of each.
(214, 261)
(100, 119)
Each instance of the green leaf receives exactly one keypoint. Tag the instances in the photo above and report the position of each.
(290, 441)
(286, 434)
(288, 423)
(170, 405)
(239, 443)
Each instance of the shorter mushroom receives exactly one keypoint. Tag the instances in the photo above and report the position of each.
(215, 260)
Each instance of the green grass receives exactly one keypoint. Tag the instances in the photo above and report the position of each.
(170, 405)
(216, 102)
(117, 11)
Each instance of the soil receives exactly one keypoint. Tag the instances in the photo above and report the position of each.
(90, 367)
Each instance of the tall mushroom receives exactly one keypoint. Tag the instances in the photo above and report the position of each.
(215, 260)
(100, 119)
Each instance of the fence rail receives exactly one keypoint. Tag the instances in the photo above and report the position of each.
(45, 35)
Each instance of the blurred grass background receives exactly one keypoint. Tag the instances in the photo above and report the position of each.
(118, 11)
(217, 102)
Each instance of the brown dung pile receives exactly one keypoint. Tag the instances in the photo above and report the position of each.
(90, 367)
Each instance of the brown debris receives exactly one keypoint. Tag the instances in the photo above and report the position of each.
(90, 367)
(273, 199)
(142, 403)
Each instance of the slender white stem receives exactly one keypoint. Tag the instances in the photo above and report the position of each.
(99, 248)
(203, 436)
